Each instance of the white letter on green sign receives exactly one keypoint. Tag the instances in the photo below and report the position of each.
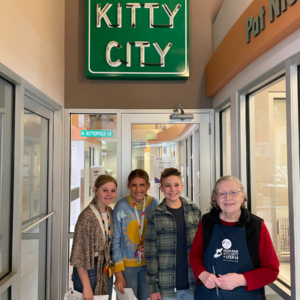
(102, 14)
(108, 50)
(151, 18)
(133, 6)
(142, 45)
(171, 15)
(161, 53)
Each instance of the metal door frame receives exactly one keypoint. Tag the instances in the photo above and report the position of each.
(205, 118)
(23, 88)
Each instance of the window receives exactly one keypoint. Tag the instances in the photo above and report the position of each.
(34, 205)
(267, 166)
(93, 152)
(225, 142)
(6, 175)
(158, 146)
(6, 295)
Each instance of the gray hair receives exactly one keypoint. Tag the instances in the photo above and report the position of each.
(214, 193)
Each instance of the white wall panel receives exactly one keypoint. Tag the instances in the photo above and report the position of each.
(230, 11)
(32, 43)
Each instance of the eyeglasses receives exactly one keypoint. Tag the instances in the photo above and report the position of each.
(231, 193)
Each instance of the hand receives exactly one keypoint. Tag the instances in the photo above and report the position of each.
(141, 248)
(88, 293)
(155, 296)
(87, 289)
(209, 280)
(231, 281)
(120, 282)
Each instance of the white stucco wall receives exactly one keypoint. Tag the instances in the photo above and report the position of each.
(230, 11)
(32, 43)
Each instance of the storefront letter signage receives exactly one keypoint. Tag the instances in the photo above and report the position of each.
(256, 25)
(137, 40)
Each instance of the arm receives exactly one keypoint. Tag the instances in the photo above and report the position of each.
(269, 264)
(119, 266)
(150, 251)
(196, 255)
(82, 257)
(87, 289)
(116, 243)
(154, 203)
(120, 282)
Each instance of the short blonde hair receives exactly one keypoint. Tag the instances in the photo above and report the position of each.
(214, 194)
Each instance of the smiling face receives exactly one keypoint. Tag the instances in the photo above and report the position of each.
(138, 188)
(230, 204)
(172, 188)
(105, 194)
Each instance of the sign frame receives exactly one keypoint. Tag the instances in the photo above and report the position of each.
(92, 73)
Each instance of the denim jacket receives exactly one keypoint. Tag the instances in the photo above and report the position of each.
(161, 244)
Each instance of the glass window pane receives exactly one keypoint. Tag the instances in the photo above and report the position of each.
(33, 263)
(157, 146)
(6, 174)
(271, 295)
(70, 267)
(268, 167)
(35, 206)
(35, 168)
(93, 151)
(225, 142)
(6, 295)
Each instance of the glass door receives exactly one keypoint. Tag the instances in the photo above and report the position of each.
(36, 219)
(6, 182)
(153, 142)
(268, 170)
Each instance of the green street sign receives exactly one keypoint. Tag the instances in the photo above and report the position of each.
(140, 41)
(96, 133)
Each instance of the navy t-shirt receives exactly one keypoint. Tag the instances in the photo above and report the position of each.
(182, 281)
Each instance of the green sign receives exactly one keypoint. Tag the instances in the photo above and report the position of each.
(149, 136)
(131, 40)
(96, 133)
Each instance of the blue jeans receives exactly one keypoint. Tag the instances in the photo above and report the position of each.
(93, 280)
(181, 294)
(135, 279)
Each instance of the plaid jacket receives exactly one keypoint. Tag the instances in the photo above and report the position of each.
(161, 244)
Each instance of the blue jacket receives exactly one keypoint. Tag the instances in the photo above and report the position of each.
(126, 234)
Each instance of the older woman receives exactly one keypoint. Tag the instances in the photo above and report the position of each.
(232, 256)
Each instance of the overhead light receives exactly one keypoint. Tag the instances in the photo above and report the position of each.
(178, 113)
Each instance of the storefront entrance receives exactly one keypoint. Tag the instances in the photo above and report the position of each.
(116, 142)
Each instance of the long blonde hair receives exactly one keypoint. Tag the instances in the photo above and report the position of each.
(101, 180)
(138, 173)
